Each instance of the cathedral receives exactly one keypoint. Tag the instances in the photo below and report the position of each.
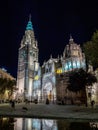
(46, 81)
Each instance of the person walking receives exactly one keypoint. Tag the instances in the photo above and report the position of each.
(92, 103)
(13, 104)
(47, 101)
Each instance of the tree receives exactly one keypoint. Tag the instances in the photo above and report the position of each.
(79, 79)
(7, 84)
(11, 86)
(91, 50)
(3, 85)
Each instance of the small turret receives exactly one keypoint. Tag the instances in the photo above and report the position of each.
(71, 39)
(51, 56)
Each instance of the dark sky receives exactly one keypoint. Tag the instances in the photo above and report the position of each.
(53, 23)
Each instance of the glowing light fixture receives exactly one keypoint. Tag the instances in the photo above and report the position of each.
(59, 71)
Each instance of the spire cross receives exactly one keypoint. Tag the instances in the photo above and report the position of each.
(30, 17)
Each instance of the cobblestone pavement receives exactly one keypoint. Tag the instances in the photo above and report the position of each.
(50, 111)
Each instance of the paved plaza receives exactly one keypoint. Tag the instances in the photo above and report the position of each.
(50, 111)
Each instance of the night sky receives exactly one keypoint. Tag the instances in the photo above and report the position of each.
(53, 22)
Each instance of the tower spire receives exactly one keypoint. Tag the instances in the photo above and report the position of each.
(29, 17)
(29, 25)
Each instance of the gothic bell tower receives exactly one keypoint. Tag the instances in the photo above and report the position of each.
(27, 58)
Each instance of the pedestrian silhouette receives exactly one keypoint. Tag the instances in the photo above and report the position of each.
(92, 103)
(47, 101)
(13, 104)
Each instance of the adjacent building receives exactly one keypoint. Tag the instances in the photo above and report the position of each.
(56, 72)
(7, 92)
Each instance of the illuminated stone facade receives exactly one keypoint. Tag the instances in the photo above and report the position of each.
(73, 57)
(28, 64)
(56, 72)
(49, 79)
(35, 82)
(92, 91)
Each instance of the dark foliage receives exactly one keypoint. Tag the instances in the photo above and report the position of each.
(79, 79)
(91, 50)
(6, 84)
